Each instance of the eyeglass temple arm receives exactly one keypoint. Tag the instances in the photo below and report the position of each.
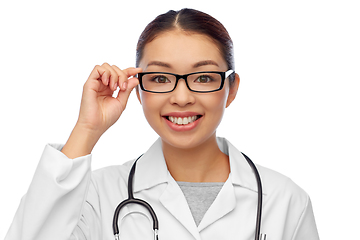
(228, 73)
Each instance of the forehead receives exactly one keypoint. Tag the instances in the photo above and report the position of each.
(182, 50)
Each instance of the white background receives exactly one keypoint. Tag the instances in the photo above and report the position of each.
(297, 110)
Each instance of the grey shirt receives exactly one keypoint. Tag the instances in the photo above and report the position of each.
(200, 196)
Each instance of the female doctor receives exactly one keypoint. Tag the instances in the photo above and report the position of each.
(200, 186)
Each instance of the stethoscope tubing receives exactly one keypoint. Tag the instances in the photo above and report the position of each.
(132, 200)
(259, 205)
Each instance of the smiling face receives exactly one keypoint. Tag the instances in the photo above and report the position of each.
(182, 118)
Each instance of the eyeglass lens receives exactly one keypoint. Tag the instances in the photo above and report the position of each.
(162, 82)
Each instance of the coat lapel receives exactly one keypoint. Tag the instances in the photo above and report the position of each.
(241, 176)
(151, 171)
(224, 203)
(174, 201)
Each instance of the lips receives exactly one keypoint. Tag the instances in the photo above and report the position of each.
(182, 120)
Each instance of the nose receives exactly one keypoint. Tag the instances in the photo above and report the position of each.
(182, 96)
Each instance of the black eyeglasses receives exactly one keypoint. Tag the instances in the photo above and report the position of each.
(201, 82)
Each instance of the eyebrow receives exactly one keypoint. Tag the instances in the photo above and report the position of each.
(158, 63)
(196, 65)
(204, 63)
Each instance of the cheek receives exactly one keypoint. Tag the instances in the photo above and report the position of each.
(216, 100)
(152, 105)
(215, 105)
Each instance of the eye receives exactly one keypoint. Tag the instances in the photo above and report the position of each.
(160, 79)
(204, 79)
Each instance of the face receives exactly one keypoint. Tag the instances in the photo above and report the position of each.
(200, 113)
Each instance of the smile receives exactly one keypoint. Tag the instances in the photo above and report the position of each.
(182, 121)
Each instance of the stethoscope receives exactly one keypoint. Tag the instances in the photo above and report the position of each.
(132, 200)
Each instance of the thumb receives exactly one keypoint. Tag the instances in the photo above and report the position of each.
(123, 96)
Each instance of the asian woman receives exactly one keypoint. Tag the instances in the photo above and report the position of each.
(200, 186)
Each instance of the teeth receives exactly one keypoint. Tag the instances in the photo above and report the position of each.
(182, 121)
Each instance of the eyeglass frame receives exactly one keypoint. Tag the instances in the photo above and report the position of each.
(224, 76)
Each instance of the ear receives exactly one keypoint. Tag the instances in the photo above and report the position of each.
(138, 93)
(233, 90)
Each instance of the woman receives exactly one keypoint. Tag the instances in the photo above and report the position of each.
(200, 186)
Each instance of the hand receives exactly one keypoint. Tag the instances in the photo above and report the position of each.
(99, 110)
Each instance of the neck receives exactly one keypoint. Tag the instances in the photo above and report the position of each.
(203, 163)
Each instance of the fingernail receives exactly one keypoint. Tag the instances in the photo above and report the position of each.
(124, 85)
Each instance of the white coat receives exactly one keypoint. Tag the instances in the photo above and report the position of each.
(67, 201)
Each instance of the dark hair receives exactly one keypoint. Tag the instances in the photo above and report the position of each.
(192, 21)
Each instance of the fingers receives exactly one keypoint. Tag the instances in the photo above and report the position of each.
(127, 82)
(123, 96)
(101, 74)
(124, 76)
(112, 76)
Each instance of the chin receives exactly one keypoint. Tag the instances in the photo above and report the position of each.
(187, 141)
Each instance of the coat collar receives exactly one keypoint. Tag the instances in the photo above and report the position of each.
(240, 171)
(153, 170)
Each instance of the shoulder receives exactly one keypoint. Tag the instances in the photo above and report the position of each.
(111, 174)
(274, 184)
(288, 205)
(280, 188)
(107, 186)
